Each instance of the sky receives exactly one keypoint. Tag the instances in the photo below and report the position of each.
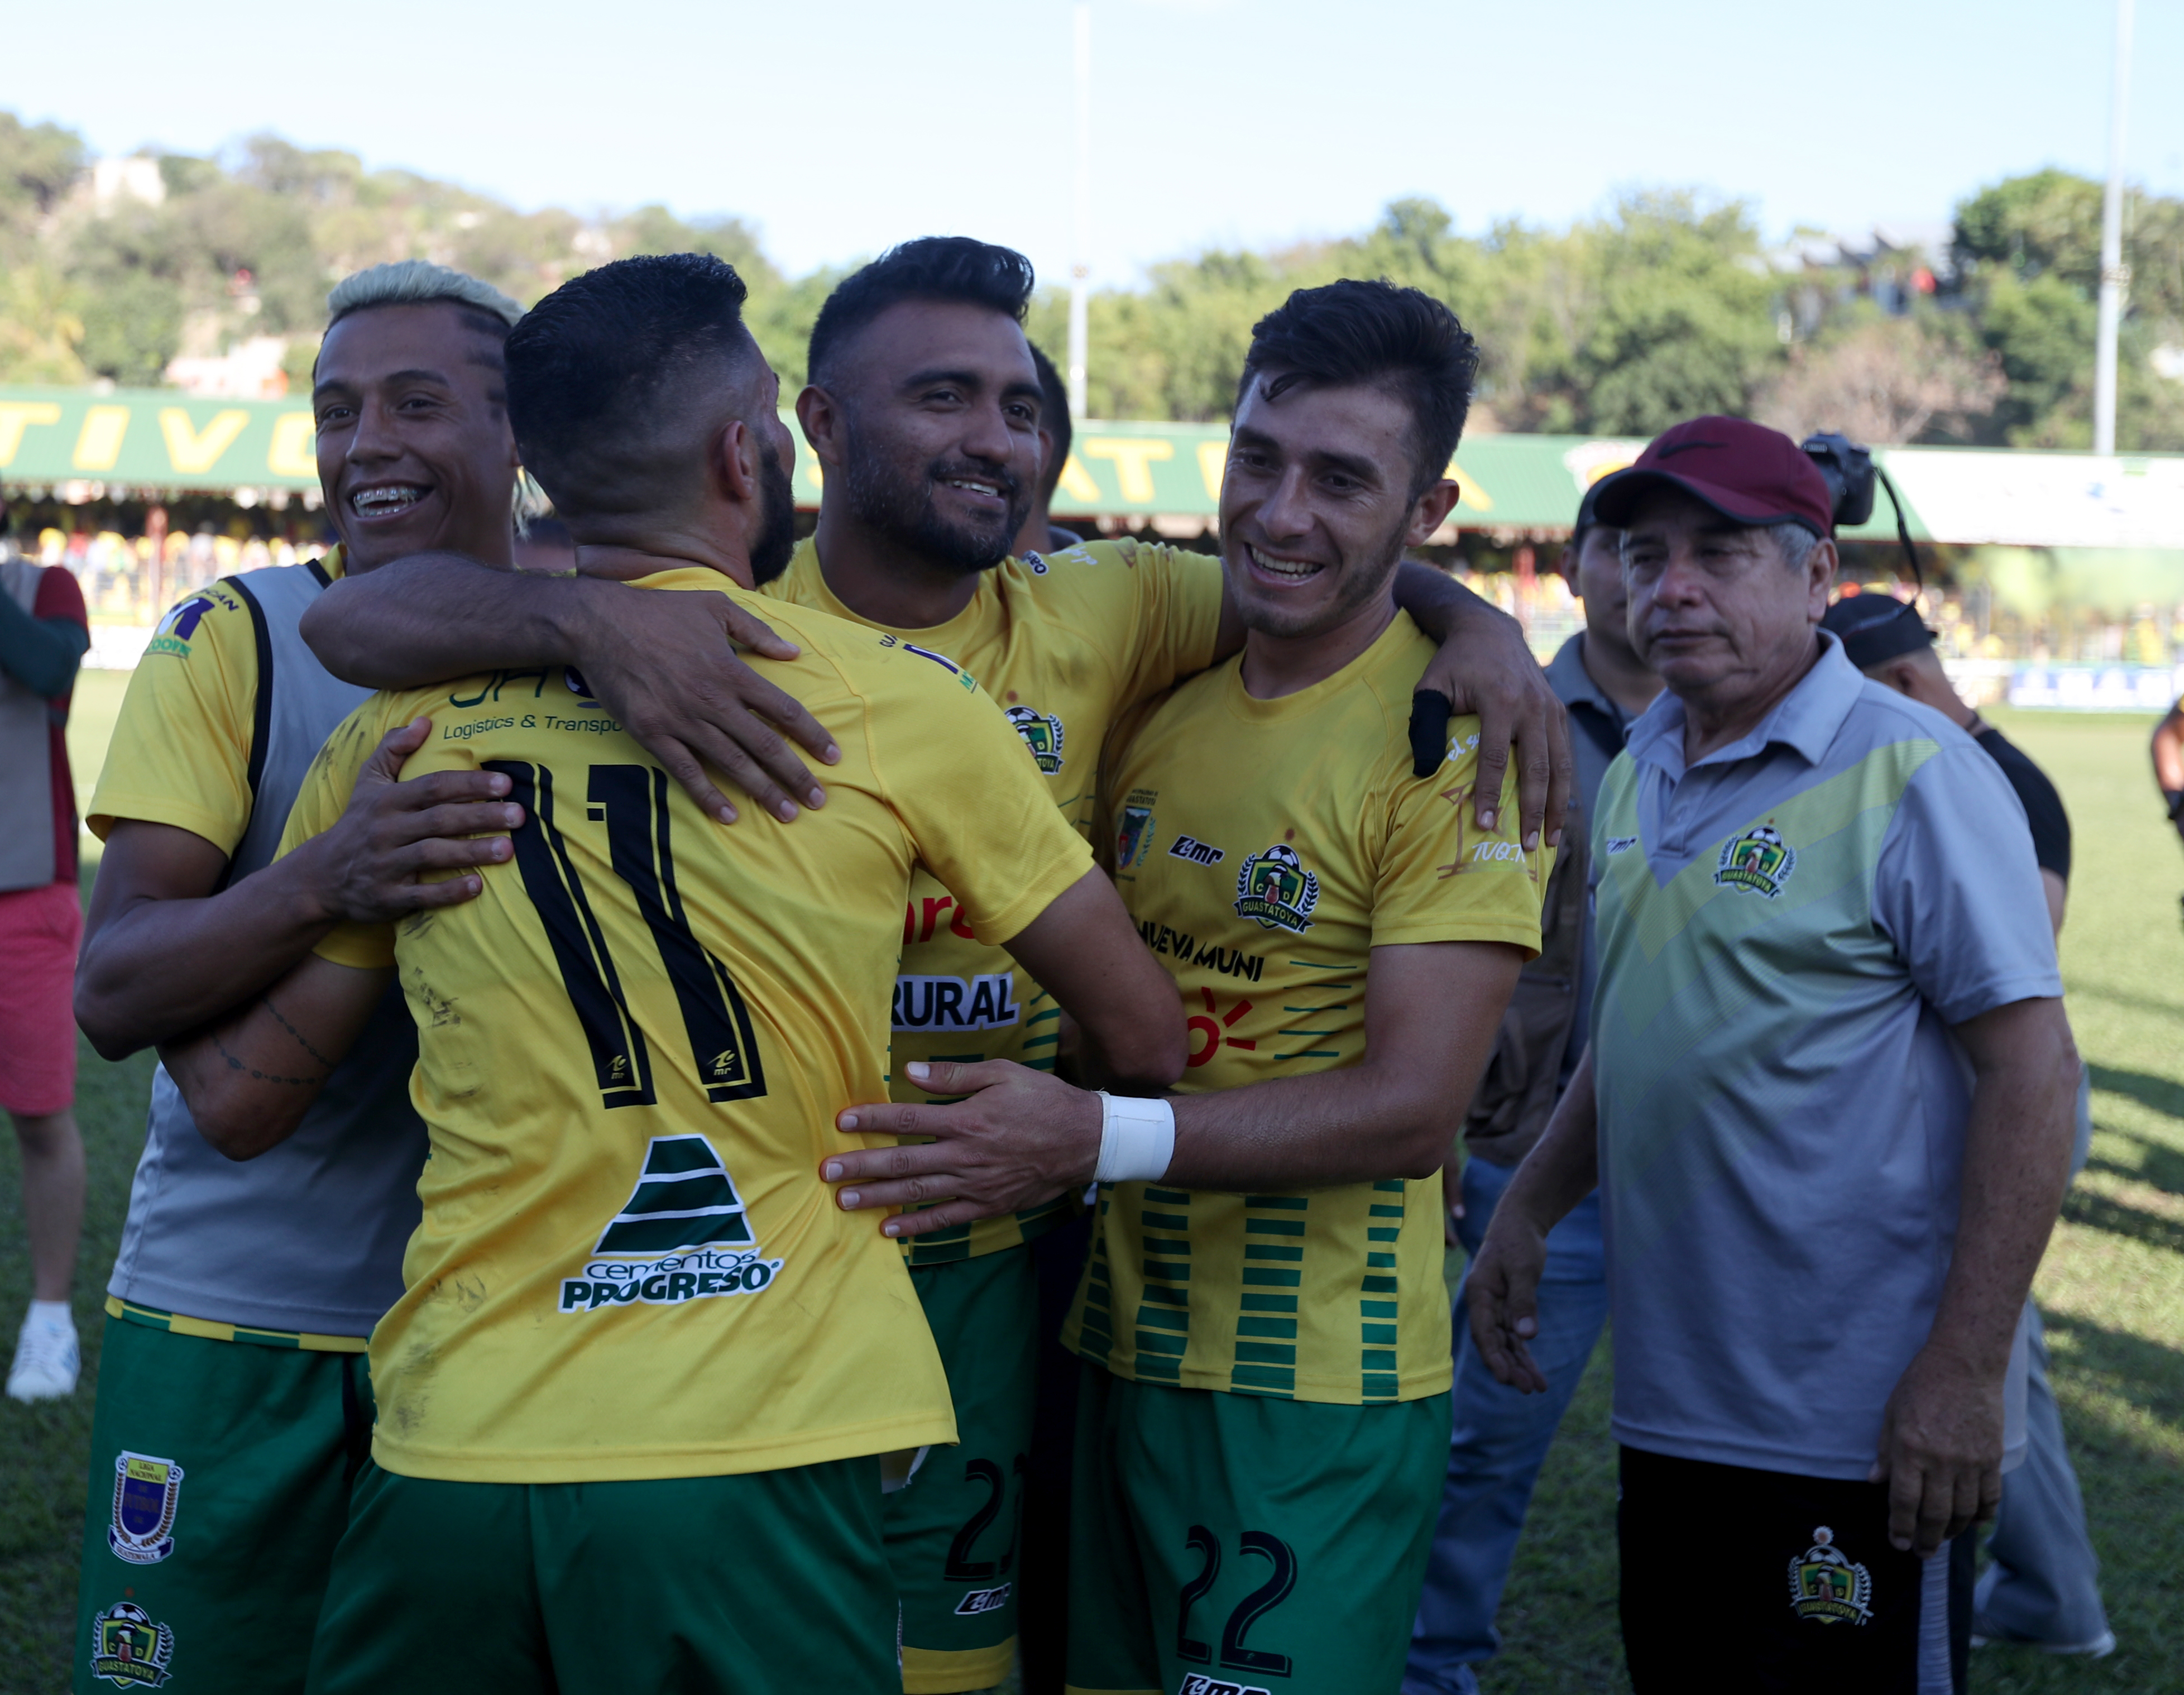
(838, 126)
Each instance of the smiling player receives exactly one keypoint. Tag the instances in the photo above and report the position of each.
(1261, 1435)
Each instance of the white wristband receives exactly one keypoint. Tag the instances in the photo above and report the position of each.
(1137, 1139)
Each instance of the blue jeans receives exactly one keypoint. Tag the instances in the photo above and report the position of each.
(1497, 1441)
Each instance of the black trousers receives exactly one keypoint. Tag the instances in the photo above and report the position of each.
(1767, 1583)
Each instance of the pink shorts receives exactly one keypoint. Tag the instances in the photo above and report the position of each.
(40, 929)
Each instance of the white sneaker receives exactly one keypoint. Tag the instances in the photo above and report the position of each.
(2100, 1647)
(46, 1361)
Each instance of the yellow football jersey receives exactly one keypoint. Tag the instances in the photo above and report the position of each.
(181, 746)
(1066, 643)
(633, 1045)
(1265, 848)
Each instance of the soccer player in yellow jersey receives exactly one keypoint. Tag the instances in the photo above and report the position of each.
(924, 412)
(1265, 1411)
(633, 1402)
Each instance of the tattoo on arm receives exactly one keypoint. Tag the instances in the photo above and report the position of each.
(302, 1042)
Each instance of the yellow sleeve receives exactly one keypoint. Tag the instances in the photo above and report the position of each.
(1440, 878)
(181, 751)
(978, 814)
(319, 803)
(1179, 618)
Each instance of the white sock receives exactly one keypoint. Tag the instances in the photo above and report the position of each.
(52, 1315)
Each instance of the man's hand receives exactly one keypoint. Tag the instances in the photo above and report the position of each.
(1020, 1139)
(370, 866)
(1502, 1288)
(1486, 667)
(666, 666)
(1941, 1451)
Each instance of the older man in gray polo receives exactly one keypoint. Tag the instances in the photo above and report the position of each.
(1827, 1101)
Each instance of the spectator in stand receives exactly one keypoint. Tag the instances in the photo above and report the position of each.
(1039, 534)
(1499, 1436)
(2044, 1586)
(43, 634)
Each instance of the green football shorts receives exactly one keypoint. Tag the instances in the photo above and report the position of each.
(1225, 1544)
(219, 1483)
(760, 1583)
(952, 1532)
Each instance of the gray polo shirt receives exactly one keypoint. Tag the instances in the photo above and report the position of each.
(1787, 929)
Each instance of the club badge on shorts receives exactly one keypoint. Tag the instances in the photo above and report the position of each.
(129, 1650)
(1826, 1584)
(146, 1493)
(1757, 863)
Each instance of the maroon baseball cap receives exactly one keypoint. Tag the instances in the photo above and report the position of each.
(1746, 471)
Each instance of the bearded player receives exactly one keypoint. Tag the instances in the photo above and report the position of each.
(640, 1380)
(924, 411)
(1265, 1413)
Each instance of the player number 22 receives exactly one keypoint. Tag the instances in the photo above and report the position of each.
(1269, 1595)
(631, 801)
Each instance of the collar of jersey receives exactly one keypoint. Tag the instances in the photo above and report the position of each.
(945, 637)
(1386, 646)
(1805, 720)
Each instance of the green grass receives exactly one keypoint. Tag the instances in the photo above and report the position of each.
(2111, 1288)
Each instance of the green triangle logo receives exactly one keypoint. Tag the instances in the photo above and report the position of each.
(685, 1198)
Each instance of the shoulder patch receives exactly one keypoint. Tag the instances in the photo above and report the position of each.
(174, 633)
(946, 664)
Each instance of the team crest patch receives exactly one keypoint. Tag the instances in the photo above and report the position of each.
(129, 1650)
(1042, 735)
(146, 1493)
(1274, 887)
(1826, 1584)
(1133, 836)
(1758, 861)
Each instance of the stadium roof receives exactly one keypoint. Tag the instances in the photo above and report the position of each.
(83, 444)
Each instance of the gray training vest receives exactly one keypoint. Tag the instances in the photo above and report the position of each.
(307, 1237)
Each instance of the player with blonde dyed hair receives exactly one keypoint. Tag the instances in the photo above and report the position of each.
(233, 1406)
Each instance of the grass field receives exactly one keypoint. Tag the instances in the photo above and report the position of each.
(2112, 1289)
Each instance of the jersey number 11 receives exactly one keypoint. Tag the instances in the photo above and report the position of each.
(631, 801)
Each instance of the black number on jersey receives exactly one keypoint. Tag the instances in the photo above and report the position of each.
(632, 799)
(1269, 1595)
(961, 1565)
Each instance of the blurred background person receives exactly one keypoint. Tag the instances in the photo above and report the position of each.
(2169, 765)
(1499, 1436)
(2044, 1585)
(1039, 534)
(43, 635)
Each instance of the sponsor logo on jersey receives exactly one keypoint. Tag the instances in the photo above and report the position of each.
(1197, 852)
(1042, 735)
(1827, 1585)
(1620, 844)
(1758, 861)
(1037, 564)
(1177, 945)
(1198, 1683)
(1274, 887)
(1486, 853)
(979, 1600)
(984, 1002)
(175, 630)
(682, 1235)
(146, 1491)
(129, 1650)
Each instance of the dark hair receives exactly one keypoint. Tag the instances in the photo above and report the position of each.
(590, 368)
(1354, 332)
(930, 268)
(1054, 419)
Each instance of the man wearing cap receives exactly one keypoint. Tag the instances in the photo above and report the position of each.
(1826, 1100)
(2043, 1587)
(1499, 1436)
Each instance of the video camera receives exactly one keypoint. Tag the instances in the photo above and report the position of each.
(1849, 472)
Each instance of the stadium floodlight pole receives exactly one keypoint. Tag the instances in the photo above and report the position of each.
(1081, 270)
(2115, 274)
